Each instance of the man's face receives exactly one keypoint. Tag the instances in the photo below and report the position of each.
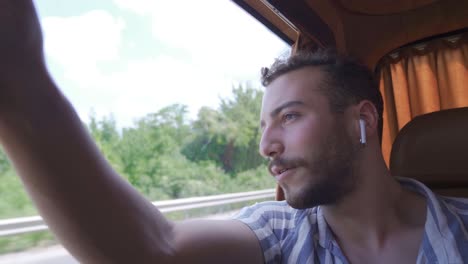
(310, 148)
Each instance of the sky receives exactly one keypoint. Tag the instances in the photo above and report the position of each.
(129, 58)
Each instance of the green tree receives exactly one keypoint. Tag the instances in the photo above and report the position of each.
(107, 138)
(5, 165)
(229, 136)
(155, 136)
(14, 201)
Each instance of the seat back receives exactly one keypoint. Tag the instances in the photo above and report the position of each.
(433, 148)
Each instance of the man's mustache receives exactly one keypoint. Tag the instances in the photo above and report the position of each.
(285, 163)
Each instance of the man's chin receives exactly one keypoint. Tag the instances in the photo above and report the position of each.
(309, 198)
(299, 205)
(298, 201)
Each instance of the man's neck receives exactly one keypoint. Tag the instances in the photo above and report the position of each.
(377, 209)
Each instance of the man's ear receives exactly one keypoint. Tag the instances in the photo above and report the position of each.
(368, 113)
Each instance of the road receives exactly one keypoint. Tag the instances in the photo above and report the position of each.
(58, 255)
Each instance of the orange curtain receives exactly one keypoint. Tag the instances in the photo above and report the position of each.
(420, 79)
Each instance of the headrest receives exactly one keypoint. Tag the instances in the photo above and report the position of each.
(433, 148)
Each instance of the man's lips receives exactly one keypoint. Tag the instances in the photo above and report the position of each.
(277, 170)
(284, 173)
(280, 168)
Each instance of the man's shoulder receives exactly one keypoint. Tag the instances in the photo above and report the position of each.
(276, 225)
(451, 218)
(457, 205)
(274, 209)
(275, 213)
(270, 206)
(453, 209)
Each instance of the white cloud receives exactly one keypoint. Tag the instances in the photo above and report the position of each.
(141, 7)
(225, 46)
(89, 38)
(143, 86)
(216, 33)
(155, 83)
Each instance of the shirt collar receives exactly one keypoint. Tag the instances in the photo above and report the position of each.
(434, 237)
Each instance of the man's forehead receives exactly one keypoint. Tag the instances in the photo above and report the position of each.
(274, 100)
(300, 85)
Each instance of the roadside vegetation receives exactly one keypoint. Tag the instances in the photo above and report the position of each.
(166, 156)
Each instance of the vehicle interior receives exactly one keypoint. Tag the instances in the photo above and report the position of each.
(419, 52)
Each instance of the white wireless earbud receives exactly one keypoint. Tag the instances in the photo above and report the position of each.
(362, 126)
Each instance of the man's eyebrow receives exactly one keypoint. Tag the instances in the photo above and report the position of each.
(285, 105)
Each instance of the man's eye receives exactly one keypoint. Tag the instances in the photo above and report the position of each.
(290, 117)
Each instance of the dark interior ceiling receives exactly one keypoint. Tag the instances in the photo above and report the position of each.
(367, 29)
(383, 7)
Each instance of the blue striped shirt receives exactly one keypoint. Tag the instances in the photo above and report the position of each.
(289, 235)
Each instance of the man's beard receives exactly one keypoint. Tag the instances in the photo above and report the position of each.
(330, 173)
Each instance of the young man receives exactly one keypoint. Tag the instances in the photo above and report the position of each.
(344, 206)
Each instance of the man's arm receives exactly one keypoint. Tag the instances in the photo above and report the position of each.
(97, 215)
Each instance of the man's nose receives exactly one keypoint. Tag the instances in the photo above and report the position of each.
(271, 144)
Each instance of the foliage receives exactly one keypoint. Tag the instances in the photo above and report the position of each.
(25, 241)
(166, 156)
(229, 136)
